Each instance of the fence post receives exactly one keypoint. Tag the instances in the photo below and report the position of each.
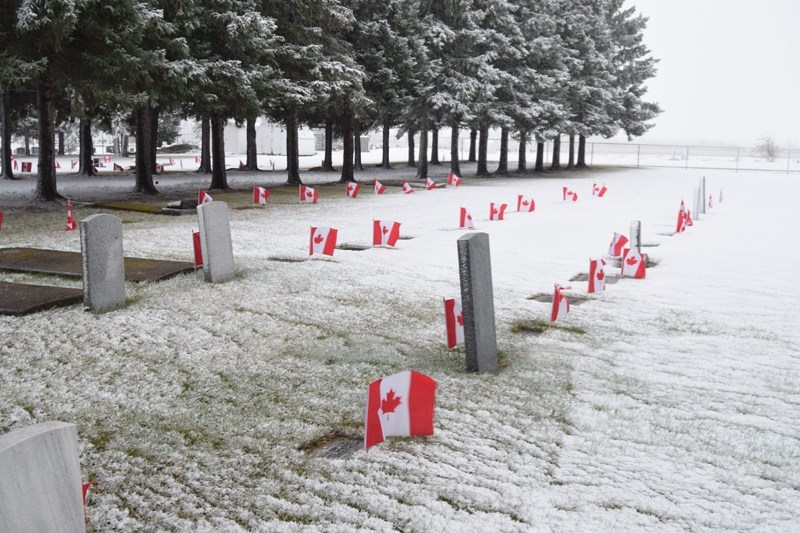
(687, 159)
(591, 157)
(638, 151)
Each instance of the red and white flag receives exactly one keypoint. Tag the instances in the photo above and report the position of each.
(85, 490)
(399, 405)
(465, 220)
(378, 187)
(710, 201)
(453, 180)
(599, 191)
(1, 220)
(597, 275)
(73, 163)
(323, 241)
(106, 159)
(260, 195)
(27, 166)
(634, 264)
(15, 162)
(198, 250)
(352, 188)
(681, 225)
(497, 211)
(385, 233)
(171, 161)
(560, 304)
(308, 195)
(689, 221)
(242, 166)
(197, 159)
(454, 320)
(617, 244)
(429, 183)
(58, 165)
(525, 204)
(203, 198)
(119, 167)
(159, 168)
(568, 195)
(407, 189)
(71, 224)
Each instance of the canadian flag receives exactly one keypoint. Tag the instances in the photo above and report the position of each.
(385, 233)
(560, 304)
(203, 198)
(198, 250)
(27, 166)
(681, 226)
(171, 161)
(58, 165)
(16, 163)
(242, 166)
(689, 221)
(618, 242)
(465, 220)
(118, 167)
(498, 212)
(85, 489)
(453, 180)
(568, 195)
(634, 264)
(159, 168)
(399, 405)
(352, 188)
(73, 163)
(710, 202)
(407, 189)
(260, 195)
(71, 224)
(378, 187)
(597, 275)
(599, 191)
(525, 204)
(454, 320)
(1, 220)
(429, 183)
(323, 241)
(107, 159)
(197, 159)
(308, 195)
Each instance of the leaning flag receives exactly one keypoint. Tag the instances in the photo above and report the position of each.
(352, 188)
(599, 191)
(465, 220)
(85, 489)
(568, 195)
(597, 276)
(407, 189)
(378, 187)
(399, 405)
(197, 159)
(429, 183)
(454, 320)
(681, 226)
(242, 166)
(633, 264)
(710, 202)
(203, 198)
(71, 224)
(159, 168)
(27, 166)
(385, 232)
(525, 204)
(560, 304)
(617, 244)
(119, 167)
(58, 165)
(497, 213)
(1, 220)
(171, 161)
(73, 163)
(198, 251)
(689, 221)
(453, 180)
(308, 195)
(323, 241)
(260, 195)
(16, 163)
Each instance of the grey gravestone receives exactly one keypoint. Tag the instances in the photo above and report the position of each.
(215, 242)
(703, 194)
(103, 263)
(477, 301)
(636, 235)
(40, 479)
(698, 201)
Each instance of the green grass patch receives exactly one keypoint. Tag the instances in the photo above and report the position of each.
(537, 327)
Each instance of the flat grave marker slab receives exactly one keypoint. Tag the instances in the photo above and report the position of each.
(24, 298)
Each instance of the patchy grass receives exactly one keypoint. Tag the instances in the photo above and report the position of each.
(537, 327)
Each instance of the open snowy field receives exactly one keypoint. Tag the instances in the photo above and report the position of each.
(673, 404)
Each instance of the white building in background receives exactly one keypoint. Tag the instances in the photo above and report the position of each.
(270, 138)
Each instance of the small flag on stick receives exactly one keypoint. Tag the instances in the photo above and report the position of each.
(399, 405)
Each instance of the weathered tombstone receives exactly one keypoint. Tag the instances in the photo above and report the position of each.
(698, 202)
(215, 242)
(636, 235)
(703, 195)
(40, 479)
(477, 301)
(103, 263)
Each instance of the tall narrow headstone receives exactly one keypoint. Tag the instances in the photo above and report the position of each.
(703, 195)
(40, 479)
(103, 263)
(698, 202)
(477, 301)
(636, 235)
(215, 242)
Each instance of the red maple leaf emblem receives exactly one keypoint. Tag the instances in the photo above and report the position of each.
(390, 403)
(309, 194)
(460, 319)
(601, 275)
(525, 202)
(495, 211)
(385, 230)
(319, 238)
(631, 261)
(469, 217)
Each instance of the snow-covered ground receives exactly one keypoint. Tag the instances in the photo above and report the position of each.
(678, 408)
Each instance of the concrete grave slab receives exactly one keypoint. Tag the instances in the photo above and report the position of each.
(24, 298)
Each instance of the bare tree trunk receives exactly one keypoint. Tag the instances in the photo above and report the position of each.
(155, 111)
(571, 160)
(435, 146)
(126, 139)
(455, 166)
(357, 146)
(60, 143)
(412, 161)
(27, 145)
(483, 147)
(348, 128)
(539, 156)
(581, 151)
(556, 164)
(86, 149)
(46, 183)
(327, 164)
(473, 136)
(144, 145)
(292, 149)
(6, 171)
(422, 166)
(502, 165)
(522, 164)
(252, 156)
(219, 175)
(385, 163)
(205, 146)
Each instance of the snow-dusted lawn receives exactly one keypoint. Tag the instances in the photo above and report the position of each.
(678, 409)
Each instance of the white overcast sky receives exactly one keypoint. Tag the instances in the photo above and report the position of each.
(729, 70)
